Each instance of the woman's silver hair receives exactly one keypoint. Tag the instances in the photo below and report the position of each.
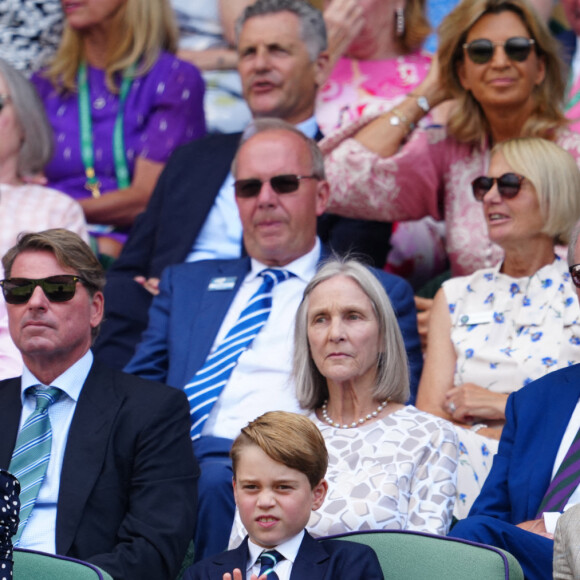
(392, 381)
(312, 27)
(555, 176)
(37, 144)
(573, 243)
(265, 124)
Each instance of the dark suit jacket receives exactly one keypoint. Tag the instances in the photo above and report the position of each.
(165, 233)
(128, 489)
(186, 317)
(328, 560)
(536, 419)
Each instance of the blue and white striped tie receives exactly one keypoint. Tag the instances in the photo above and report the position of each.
(205, 387)
(32, 452)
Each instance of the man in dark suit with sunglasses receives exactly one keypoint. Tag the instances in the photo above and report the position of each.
(280, 191)
(192, 214)
(532, 472)
(107, 470)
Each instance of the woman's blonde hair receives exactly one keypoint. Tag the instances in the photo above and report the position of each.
(555, 176)
(417, 26)
(468, 123)
(143, 29)
(392, 381)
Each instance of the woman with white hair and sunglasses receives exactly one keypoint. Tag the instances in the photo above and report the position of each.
(498, 329)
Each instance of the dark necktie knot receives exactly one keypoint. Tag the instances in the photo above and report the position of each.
(268, 560)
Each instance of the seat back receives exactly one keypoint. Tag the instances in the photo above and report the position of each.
(29, 565)
(416, 556)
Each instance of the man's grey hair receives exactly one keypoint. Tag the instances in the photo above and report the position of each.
(272, 124)
(312, 27)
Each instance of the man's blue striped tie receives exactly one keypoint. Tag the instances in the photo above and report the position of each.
(32, 453)
(205, 387)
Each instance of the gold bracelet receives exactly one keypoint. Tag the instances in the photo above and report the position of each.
(398, 118)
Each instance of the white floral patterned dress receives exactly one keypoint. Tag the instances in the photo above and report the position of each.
(396, 473)
(507, 332)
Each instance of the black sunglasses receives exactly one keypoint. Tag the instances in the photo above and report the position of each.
(56, 288)
(508, 185)
(516, 48)
(280, 184)
(4, 101)
(575, 273)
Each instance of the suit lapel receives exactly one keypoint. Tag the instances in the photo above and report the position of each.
(236, 558)
(214, 305)
(85, 451)
(10, 410)
(312, 560)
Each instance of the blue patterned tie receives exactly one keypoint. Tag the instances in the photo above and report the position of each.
(32, 452)
(268, 561)
(205, 387)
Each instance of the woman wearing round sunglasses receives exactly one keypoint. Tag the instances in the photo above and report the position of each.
(500, 65)
(494, 331)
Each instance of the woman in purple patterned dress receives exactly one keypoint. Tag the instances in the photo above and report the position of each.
(119, 102)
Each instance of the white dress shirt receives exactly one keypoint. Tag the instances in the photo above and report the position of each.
(220, 237)
(260, 382)
(39, 533)
(288, 549)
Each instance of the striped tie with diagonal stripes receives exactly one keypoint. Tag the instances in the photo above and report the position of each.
(205, 387)
(564, 482)
(32, 452)
(268, 560)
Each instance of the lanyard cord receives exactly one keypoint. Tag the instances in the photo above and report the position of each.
(86, 127)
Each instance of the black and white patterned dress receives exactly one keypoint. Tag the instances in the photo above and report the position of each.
(30, 31)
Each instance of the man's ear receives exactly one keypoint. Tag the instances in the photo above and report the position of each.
(322, 196)
(322, 68)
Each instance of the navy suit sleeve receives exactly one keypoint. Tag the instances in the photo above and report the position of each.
(401, 295)
(151, 359)
(494, 498)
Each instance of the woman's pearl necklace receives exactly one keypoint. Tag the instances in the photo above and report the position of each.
(354, 423)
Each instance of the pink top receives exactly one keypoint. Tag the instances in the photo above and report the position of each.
(359, 86)
(430, 175)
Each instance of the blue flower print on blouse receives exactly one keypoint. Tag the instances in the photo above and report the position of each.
(536, 336)
(484, 450)
(507, 351)
(527, 381)
(489, 298)
(514, 289)
(498, 317)
(569, 301)
(462, 448)
(575, 340)
(469, 353)
(548, 361)
(488, 276)
(546, 283)
(462, 497)
(492, 365)
(526, 301)
(451, 308)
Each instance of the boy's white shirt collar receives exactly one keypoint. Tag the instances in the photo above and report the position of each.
(288, 549)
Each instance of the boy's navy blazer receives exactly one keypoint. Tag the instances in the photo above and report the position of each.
(328, 560)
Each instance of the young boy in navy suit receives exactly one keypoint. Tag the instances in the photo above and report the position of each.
(279, 462)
